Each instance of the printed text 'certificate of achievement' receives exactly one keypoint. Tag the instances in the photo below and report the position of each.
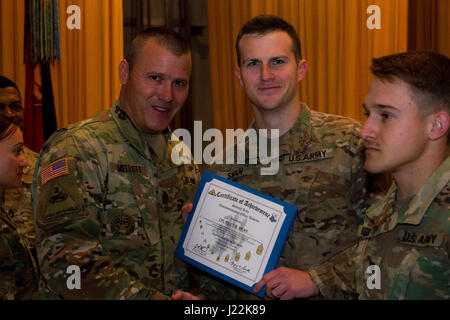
(234, 232)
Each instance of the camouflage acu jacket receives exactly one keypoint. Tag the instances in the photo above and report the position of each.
(321, 172)
(410, 251)
(18, 269)
(104, 202)
(18, 202)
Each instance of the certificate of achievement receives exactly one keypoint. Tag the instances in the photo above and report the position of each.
(234, 232)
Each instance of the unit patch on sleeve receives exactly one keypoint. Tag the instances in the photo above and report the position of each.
(54, 170)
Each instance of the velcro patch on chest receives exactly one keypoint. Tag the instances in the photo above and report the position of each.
(123, 224)
(238, 172)
(128, 168)
(420, 239)
(309, 156)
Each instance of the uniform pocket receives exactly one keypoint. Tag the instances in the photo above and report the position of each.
(403, 278)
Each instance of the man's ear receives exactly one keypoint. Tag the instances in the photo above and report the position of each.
(124, 69)
(237, 72)
(440, 125)
(301, 69)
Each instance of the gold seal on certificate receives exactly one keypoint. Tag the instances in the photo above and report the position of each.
(234, 232)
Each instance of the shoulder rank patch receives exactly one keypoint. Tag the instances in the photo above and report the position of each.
(420, 239)
(309, 156)
(54, 170)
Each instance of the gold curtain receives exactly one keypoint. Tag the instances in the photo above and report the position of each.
(12, 14)
(86, 80)
(443, 27)
(335, 41)
(429, 25)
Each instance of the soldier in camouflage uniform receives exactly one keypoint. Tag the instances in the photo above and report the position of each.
(17, 201)
(404, 243)
(18, 270)
(320, 155)
(320, 171)
(106, 194)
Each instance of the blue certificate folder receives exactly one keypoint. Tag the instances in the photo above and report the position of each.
(289, 210)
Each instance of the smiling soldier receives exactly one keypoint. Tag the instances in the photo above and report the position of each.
(106, 194)
(321, 155)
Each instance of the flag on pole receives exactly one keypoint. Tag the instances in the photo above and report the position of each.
(41, 45)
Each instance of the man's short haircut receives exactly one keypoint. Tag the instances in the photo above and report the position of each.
(426, 73)
(8, 125)
(165, 37)
(264, 24)
(6, 83)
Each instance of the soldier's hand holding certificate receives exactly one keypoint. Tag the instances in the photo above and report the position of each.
(235, 233)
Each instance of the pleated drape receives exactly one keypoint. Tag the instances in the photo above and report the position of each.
(85, 80)
(428, 25)
(12, 24)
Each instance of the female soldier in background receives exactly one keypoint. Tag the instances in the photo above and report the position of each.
(18, 269)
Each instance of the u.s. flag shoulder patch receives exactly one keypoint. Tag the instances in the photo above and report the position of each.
(53, 170)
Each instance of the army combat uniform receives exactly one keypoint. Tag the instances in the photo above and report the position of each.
(106, 203)
(18, 202)
(18, 269)
(321, 172)
(407, 246)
